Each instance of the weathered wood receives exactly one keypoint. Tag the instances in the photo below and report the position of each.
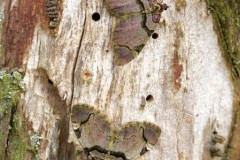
(180, 81)
(20, 19)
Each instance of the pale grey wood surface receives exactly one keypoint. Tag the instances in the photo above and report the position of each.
(79, 61)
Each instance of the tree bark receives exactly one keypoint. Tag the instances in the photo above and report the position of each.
(186, 81)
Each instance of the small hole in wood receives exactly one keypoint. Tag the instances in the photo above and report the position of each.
(149, 98)
(154, 35)
(50, 81)
(96, 16)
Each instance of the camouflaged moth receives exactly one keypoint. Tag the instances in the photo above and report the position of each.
(136, 22)
(100, 141)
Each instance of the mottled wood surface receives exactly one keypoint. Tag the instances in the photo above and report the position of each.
(183, 70)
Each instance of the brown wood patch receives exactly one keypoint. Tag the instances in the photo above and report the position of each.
(20, 20)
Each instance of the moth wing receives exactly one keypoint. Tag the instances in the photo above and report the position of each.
(151, 133)
(122, 7)
(130, 36)
(129, 141)
(91, 128)
(134, 139)
(156, 17)
(157, 13)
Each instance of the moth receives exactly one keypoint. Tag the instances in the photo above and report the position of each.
(52, 12)
(102, 142)
(136, 22)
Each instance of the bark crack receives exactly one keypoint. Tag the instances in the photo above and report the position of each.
(11, 125)
(75, 63)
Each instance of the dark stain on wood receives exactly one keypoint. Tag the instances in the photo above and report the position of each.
(87, 74)
(20, 20)
(177, 71)
(60, 108)
(180, 4)
(177, 66)
(143, 103)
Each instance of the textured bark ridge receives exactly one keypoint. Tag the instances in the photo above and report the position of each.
(180, 81)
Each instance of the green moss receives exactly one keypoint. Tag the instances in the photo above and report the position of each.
(10, 90)
(35, 140)
(19, 144)
(226, 15)
(1, 147)
(10, 87)
(17, 147)
(12, 122)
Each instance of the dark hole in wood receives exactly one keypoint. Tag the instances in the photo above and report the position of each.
(96, 16)
(154, 35)
(50, 81)
(149, 98)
